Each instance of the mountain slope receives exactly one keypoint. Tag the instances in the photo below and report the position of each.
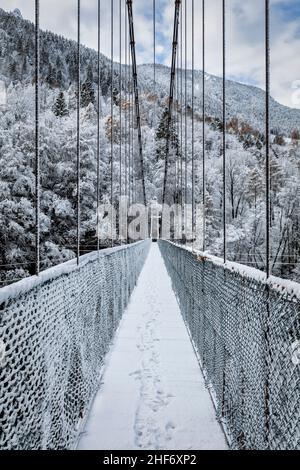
(245, 102)
(58, 68)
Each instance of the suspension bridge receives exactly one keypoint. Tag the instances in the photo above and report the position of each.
(150, 345)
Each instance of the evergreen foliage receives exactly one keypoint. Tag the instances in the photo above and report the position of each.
(60, 108)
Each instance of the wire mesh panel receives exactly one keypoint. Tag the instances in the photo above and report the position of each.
(247, 335)
(54, 338)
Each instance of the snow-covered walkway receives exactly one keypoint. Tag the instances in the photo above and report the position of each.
(153, 394)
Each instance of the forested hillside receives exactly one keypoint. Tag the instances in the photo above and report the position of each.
(245, 150)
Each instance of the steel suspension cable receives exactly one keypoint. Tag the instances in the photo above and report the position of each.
(136, 93)
(129, 133)
(133, 152)
(193, 120)
(185, 120)
(177, 122)
(224, 132)
(181, 115)
(98, 127)
(268, 179)
(130, 143)
(37, 137)
(126, 96)
(78, 131)
(174, 133)
(173, 127)
(154, 67)
(154, 76)
(120, 99)
(112, 121)
(171, 95)
(203, 128)
(178, 128)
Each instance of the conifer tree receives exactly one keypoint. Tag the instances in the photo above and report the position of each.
(60, 108)
(87, 93)
(51, 78)
(162, 134)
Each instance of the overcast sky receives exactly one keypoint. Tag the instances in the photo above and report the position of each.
(245, 35)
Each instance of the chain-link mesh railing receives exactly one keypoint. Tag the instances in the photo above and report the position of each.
(54, 337)
(246, 334)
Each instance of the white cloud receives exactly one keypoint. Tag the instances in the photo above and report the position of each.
(245, 35)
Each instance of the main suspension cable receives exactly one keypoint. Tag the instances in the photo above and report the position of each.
(136, 93)
(171, 95)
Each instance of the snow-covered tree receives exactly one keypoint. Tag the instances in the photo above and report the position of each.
(60, 107)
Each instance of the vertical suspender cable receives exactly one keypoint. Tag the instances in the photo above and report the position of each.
(154, 67)
(130, 139)
(174, 137)
(203, 128)
(175, 131)
(78, 131)
(181, 113)
(177, 125)
(193, 120)
(132, 143)
(154, 75)
(112, 121)
(98, 129)
(133, 152)
(173, 147)
(132, 147)
(224, 132)
(120, 118)
(185, 97)
(37, 136)
(120, 99)
(268, 200)
(129, 134)
(267, 410)
(185, 119)
(126, 97)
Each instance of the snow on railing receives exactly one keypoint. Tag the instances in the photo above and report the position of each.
(246, 332)
(55, 331)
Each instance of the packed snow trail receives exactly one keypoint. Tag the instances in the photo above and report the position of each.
(153, 394)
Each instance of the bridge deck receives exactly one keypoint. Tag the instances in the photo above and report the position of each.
(153, 394)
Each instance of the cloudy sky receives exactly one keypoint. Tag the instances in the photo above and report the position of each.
(245, 35)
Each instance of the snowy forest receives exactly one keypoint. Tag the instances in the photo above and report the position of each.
(245, 154)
